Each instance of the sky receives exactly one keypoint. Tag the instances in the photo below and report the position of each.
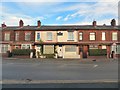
(54, 12)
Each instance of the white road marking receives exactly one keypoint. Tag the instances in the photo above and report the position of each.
(95, 66)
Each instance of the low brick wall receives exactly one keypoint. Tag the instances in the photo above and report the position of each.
(21, 56)
(3, 54)
(118, 56)
(96, 57)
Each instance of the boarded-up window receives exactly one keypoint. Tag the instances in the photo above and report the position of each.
(49, 35)
(70, 48)
(48, 49)
(70, 35)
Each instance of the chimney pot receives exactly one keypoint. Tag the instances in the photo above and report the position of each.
(3, 25)
(39, 23)
(21, 23)
(94, 23)
(113, 22)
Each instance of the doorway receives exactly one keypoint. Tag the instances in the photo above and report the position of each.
(60, 51)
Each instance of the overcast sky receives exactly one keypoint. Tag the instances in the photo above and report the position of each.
(53, 12)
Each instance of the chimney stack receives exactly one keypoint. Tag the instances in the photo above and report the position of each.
(94, 23)
(21, 23)
(113, 22)
(39, 23)
(3, 25)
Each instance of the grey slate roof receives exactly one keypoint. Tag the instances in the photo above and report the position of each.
(67, 27)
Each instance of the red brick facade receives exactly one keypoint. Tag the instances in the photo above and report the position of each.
(84, 43)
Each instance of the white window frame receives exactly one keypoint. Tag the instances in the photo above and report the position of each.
(80, 36)
(114, 36)
(25, 46)
(37, 36)
(104, 47)
(27, 36)
(16, 47)
(70, 35)
(16, 36)
(7, 37)
(103, 36)
(93, 46)
(92, 36)
(5, 48)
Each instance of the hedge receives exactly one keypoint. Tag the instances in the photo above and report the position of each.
(97, 52)
(21, 51)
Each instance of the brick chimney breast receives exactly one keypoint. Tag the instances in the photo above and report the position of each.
(3, 25)
(94, 23)
(39, 23)
(113, 22)
(21, 23)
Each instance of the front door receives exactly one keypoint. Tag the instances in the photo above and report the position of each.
(60, 51)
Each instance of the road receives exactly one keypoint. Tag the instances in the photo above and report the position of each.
(58, 72)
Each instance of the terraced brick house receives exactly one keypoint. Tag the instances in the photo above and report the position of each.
(68, 41)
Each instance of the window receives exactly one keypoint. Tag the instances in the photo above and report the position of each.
(17, 36)
(118, 49)
(27, 36)
(70, 48)
(49, 35)
(81, 36)
(70, 36)
(16, 47)
(26, 46)
(48, 49)
(93, 46)
(103, 35)
(5, 48)
(104, 47)
(114, 36)
(92, 36)
(7, 37)
(38, 36)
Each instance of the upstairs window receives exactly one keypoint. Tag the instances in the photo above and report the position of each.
(92, 36)
(114, 36)
(38, 36)
(70, 36)
(49, 35)
(80, 36)
(17, 36)
(103, 36)
(7, 37)
(27, 36)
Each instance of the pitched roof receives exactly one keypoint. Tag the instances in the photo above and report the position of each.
(63, 27)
